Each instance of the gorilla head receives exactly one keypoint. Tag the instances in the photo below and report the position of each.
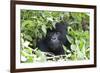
(53, 40)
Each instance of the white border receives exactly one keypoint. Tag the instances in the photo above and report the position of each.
(51, 64)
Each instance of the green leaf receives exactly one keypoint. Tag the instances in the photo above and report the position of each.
(44, 29)
(64, 47)
(70, 39)
(73, 47)
(28, 37)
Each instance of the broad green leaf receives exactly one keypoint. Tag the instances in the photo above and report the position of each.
(44, 29)
(70, 39)
(28, 37)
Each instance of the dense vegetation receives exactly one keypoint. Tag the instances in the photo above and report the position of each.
(34, 25)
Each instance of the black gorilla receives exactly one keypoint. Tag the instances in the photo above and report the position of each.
(54, 40)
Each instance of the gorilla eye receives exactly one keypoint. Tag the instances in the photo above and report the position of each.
(58, 33)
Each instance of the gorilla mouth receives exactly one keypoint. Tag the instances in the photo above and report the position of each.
(53, 46)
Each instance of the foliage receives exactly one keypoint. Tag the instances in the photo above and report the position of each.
(34, 25)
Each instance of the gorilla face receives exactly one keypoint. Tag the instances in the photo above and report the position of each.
(54, 40)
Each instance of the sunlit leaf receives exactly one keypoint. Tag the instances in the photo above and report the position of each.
(44, 29)
(70, 39)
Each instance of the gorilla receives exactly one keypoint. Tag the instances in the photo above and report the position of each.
(55, 39)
